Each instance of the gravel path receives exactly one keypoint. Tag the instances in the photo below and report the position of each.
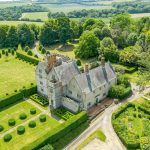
(35, 51)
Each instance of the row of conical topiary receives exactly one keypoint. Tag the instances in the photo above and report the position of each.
(21, 129)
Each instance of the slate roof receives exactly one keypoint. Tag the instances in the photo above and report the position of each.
(66, 72)
(95, 77)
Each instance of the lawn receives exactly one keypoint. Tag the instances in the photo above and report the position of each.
(132, 124)
(140, 15)
(97, 134)
(14, 75)
(31, 134)
(36, 15)
(15, 23)
(13, 112)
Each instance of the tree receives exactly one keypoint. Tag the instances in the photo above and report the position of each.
(26, 35)
(132, 39)
(105, 32)
(3, 34)
(64, 30)
(12, 37)
(48, 34)
(35, 30)
(109, 50)
(88, 45)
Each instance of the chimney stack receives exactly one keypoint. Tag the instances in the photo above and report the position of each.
(86, 69)
(51, 59)
(103, 61)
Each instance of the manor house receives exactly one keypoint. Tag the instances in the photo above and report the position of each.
(64, 85)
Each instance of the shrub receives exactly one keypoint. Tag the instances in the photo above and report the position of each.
(6, 53)
(32, 124)
(32, 111)
(26, 49)
(30, 53)
(139, 115)
(20, 130)
(42, 118)
(43, 50)
(23, 116)
(12, 52)
(7, 137)
(123, 80)
(0, 55)
(78, 62)
(15, 90)
(3, 52)
(40, 47)
(1, 128)
(94, 64)
(11, 122)
(9, 50)
(35, 56)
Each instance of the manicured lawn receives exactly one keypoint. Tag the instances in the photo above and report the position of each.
(15, 23)
(14, 75)
(31, 134)
(13, 112)
(36, 15)
(97, 134)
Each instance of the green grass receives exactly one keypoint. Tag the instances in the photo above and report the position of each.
(30, 135)
(13, 112)
(15, 23)
(140, 15)
(36, 15)
(97, 134)
(11, 4)
(14, 75)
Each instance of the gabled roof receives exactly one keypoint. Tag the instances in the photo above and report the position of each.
(66, 72)
(95, 78)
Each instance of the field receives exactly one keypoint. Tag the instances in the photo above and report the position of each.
(132, 124)
(15, 74)
(97, 134)
(140, 15)
(11, 4)
(15, 23)
(31, 134)
(36, 15)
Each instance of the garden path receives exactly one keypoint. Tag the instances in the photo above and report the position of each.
(35, 51)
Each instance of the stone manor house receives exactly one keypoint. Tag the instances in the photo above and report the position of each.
(64, 85)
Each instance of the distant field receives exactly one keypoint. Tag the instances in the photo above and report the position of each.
(36, 15)
(70, 7)
(140, 15)
(11, 4)
(15, 23)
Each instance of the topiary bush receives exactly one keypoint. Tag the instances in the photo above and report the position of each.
(78, 62)
(32, 111)
(7, 137)
(30, 53)
(42, 118)
(20, 130)
(32, 124)
(1, 128)
(23, 116)
(11, 122)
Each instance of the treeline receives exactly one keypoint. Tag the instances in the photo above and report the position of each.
(133, 7)
(86, 13)
(14, 13)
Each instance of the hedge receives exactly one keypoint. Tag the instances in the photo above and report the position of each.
(24, 56)
(16, 96)
(59, 132)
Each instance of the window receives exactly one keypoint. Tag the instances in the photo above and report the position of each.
(52, 102)
(104, 94)
(79, 96)
(42, 89)
(40, 76)
(41, 82)
(40, 71)
(70, 92)
(89, 104)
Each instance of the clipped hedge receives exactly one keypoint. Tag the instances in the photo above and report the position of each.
(22, 55)
(7, 137)
(11, 122)
(32, 124)
(1, 128)
(21, 130)
(42, 118)
(32, 111)
(22, 116)
(17, 95)
(59, 132)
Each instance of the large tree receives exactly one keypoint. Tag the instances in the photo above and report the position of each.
(88, 45)
(48, 34)
(12, 37)
(3, 34)
(109, 50)
(26, 35)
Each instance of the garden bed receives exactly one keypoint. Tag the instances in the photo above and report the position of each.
(39, 99)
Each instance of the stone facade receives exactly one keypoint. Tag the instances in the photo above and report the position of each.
(64, 85)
